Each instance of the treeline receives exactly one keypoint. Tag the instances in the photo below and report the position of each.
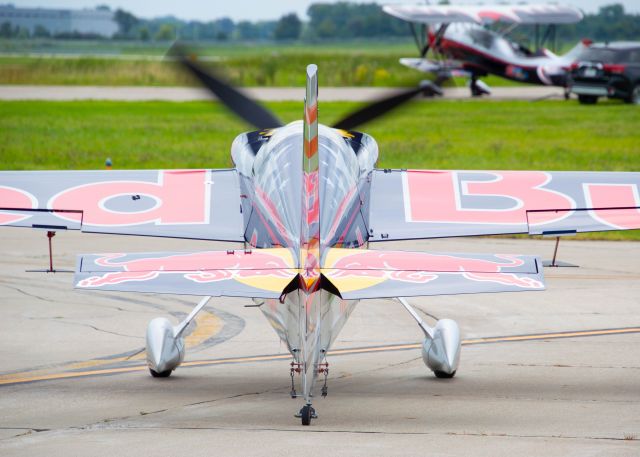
(341, 20)
(326, 21)
(611, 23)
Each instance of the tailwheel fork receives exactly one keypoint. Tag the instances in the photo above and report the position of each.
(306, 414)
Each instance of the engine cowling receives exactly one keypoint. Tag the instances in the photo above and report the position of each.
(165, 351)
(442, 352)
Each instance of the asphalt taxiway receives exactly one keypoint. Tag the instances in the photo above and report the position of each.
(554, 372)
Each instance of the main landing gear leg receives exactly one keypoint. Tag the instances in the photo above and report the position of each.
(441, 346)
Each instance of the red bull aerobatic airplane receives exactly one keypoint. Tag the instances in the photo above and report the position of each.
(303, 202)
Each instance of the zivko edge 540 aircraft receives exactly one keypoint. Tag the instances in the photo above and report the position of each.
(454, 41)
(305, 200)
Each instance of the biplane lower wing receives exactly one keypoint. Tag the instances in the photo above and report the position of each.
(194, 204)
(262, 273)
(414, 204)
(362, 273)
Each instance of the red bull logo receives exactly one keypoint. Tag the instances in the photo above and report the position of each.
(200, 267)
(418, 267)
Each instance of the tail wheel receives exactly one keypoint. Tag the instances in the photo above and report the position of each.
(306, 413)
(588, 99)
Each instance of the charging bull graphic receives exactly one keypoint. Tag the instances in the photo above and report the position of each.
(253, 267)
(354, 269)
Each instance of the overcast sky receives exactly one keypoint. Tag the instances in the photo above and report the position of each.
(251, 9)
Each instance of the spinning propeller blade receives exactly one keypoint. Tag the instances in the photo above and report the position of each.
(243, 106)
(385, 105)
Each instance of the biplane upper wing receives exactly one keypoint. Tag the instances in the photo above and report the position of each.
(195, 204)
(520, 14)
(412, 204)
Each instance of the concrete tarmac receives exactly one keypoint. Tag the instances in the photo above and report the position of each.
(73, 381)
(180, 94)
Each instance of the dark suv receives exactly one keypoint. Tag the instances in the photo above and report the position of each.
(607, 70)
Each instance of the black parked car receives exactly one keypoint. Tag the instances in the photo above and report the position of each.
(607, 70)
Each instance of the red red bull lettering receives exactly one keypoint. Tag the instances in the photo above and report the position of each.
(599, 196)
(438, 197)
(171, 206)
(11, 197)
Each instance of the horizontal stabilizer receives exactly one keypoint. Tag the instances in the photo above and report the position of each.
(360, 273)
(261, 273)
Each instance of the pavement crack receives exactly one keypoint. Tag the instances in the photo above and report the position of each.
(97, 329)
(303, 429)
(38, 297)
(230, 397)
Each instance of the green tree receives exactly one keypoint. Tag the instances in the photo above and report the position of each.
(125, 20)
(143, 33)
(6, 31)
(41, 32)
(166, 32)
(23, 33)
(246, 30)
(288, 27)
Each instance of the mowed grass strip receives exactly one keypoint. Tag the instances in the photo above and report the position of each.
(269, 67)
(546, 135)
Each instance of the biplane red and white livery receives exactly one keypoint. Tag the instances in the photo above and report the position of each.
(302, 205)
(455, 40)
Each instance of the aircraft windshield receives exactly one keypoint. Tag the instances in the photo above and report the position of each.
(483, 38)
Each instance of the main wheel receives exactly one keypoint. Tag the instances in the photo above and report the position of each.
(162, 374)
(634, 98)
(306, 413)
(444, 374)
(588, 99)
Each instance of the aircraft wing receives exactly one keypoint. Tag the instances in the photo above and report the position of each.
(260, 273)
(519, 14)
(364, 273)
(195, 204)
(412, 204)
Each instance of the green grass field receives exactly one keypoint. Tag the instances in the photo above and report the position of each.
(546, 135)
(354, 63)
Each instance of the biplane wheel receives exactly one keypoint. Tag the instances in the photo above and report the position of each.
(444, 374)
(587, 99)
(162, 374)
(306, 413)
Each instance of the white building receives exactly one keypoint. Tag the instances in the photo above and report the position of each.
(56, 21)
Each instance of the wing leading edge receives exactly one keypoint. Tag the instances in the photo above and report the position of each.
(413, 204)
(195, 204)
